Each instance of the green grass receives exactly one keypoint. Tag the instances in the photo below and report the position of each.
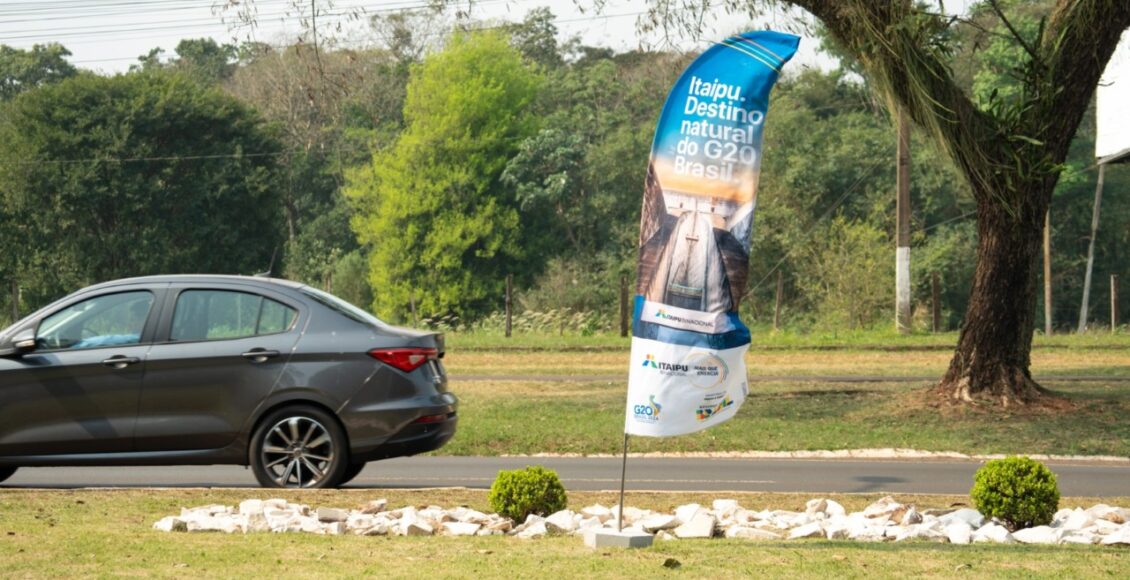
(588, 418)
(79, 534)
(765, 338)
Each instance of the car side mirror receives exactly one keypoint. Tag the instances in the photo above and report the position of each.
(21, 344)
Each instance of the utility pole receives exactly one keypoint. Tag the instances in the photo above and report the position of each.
(902, 254)
(1048, 273)
(1091, 251)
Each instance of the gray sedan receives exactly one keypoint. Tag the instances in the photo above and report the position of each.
(196, 370)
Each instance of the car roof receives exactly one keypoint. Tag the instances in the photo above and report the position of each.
(197, 278)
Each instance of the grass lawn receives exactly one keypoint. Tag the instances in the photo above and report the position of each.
(586, 416)
(108, 534)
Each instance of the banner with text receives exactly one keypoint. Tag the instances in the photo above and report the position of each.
(687, 369)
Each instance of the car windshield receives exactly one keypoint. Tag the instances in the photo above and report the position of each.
(343, 307)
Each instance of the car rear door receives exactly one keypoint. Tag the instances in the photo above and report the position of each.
(220, 351)
(78, 391)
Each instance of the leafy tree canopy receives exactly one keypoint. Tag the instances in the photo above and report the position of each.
(137, 174)
(440, 228)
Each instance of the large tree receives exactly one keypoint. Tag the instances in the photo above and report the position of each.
(145, 173)
(442, 230)
(1010, 150)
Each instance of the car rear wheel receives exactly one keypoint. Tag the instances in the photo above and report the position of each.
(299, 447)
(6, 472)
(351, 473)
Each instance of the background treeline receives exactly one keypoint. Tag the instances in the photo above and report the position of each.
(415, 174)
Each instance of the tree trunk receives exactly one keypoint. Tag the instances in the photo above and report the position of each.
(992, 358)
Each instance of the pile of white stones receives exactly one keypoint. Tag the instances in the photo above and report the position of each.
(884, 520)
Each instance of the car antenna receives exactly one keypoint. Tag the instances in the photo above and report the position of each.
(270, 267)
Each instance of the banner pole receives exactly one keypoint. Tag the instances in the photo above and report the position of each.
(623, 477)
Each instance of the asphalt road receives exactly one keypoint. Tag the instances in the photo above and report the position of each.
(667, 474)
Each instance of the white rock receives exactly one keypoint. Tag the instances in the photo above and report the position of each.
(328, 515)
(665, 536)
(744, 516)
(562, 522)
(659, 522)
(499, 525)
(911, 517)
(701, 525)
(359, 521)
(1111, 514)
(971, 517)
(815, 506)
(748, 533)
(171, 524)
(833, 509)
(1076, 520)
(276, 503)
(1104, 527)
(1079, 537)
(836, 530)
(1118, 538)
(470, 516)
(588, 523)
(535, 530)
(863, 533)
(375, 506)
(992, 532)
(378, 529)
(597, 511)
(531, 520)
(251, 506)
(1038, 535)
(418, 528)
(257, 522)
(812, 530)
(459, 528)
(308, 524)
(334, 528)
(686, 513)
(959, 532)
(885, 508)
(920, 532)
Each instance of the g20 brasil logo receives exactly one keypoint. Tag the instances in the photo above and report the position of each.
(648, 413)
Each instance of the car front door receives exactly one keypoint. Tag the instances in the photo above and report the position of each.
(221, 351)
(77, 392)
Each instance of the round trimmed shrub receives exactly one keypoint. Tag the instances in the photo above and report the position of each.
(1019, 491)
(534, 490)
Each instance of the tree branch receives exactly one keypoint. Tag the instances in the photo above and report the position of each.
(892, 44)
(1080, 39)
(1015, 34)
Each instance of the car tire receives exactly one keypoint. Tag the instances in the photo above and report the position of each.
(6, 472)
(351, 473)
(299, 447)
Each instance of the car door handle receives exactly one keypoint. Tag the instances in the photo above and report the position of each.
(258, 355)
(121, 362)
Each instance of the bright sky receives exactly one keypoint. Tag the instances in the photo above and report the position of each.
(109, 35)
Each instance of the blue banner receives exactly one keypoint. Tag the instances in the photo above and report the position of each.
(687, 369)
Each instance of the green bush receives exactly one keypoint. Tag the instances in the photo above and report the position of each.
(534, 490)
(1019, 491)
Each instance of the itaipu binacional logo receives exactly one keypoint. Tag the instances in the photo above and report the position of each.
(648, 413)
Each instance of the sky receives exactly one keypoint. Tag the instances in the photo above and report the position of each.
(109, 35)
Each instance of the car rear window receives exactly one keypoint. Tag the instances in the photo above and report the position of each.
(225, 314)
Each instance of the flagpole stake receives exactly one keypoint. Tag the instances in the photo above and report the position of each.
(623, 477)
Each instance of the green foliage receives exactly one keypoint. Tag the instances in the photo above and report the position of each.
(534, 490)
(107, 177)
(1019, 491)
(430, 208)
(24, 70)
(847, 274)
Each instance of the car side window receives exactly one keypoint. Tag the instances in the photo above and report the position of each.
(225, 314)
(107, 320)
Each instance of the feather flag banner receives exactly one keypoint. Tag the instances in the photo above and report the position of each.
(687, 368)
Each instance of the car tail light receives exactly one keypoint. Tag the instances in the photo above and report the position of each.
(431, 419)
(405, 359)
